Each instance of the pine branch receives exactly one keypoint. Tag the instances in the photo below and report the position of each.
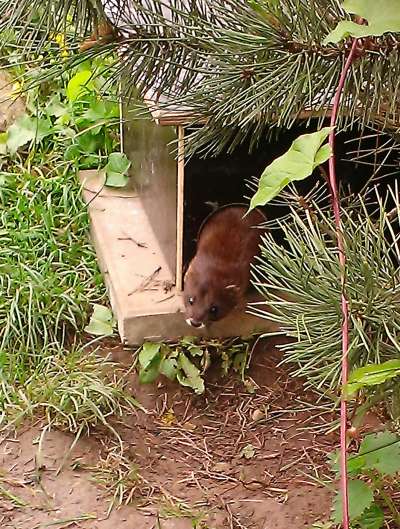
(243, 66)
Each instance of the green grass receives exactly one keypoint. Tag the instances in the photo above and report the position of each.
(48, 271)
(49, 278)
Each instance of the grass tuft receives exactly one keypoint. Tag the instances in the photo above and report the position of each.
(121, 479)
(71, 390)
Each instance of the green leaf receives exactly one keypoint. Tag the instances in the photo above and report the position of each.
(79, 84)
(102, 321)
(89, 142)
(372, 518)
(383, 16)
(55, 107)
(101, 110)
(26, 129)
(3, 142)
(191, 376)
(382, 452)
(188, 340)
(148, 353)
(195, 350)
(117, 169)
(169, 368)
(354, 464)
(72, 152)
(304, 155)
(150, 358)
(372, 375)
(360, 499)
(150, 374)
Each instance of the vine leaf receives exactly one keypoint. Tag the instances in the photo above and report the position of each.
(117, 169)
(360, 499)
(149, 359)
(382, 452)
(303, 156)
(190, 376)
(383, 16)
(79, 84)
(102, 321)
(372, 375)
(26, 129)
(372, 518)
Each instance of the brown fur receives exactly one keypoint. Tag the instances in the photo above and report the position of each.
(219, 274)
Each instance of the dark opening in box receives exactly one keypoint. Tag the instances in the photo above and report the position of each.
(216, 181)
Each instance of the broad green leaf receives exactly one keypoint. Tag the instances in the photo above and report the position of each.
(169, 368)
(26, 129)
(304, 155)
(372, 375)
(79, 84)
(382, 452)
(195, 350)
(102, 321)
(354, 464)
(191, 376)
(117, 169)
(383, 16)
(360, 499)
(148, 353)
(372, 518)
(72, 152)
(150, 374)
(101, 110)
(89, 142)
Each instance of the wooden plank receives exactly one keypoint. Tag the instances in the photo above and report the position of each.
(180, 209)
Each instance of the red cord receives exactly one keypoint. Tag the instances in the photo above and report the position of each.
(345, 308)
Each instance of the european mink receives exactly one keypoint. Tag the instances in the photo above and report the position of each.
(218, 276)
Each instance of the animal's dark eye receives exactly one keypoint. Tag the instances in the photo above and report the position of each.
(191, 301)
(213, 310)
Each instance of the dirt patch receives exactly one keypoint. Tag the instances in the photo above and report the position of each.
(229, 459)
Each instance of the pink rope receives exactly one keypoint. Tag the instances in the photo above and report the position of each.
(344, 302)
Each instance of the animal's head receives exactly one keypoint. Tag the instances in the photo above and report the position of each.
(207, 300)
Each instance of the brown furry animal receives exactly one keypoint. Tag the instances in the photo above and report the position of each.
(219, 274)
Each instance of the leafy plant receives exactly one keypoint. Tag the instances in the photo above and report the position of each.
(375, 466)
(382, 16)
(101, 322)
(299, 162)
(269, 59)
(49, 277)
(117, 169)
(372, 375)
(188, 360)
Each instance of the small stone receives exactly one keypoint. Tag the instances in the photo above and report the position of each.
(258, 415)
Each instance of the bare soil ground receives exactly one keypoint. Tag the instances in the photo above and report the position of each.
(231, 459)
